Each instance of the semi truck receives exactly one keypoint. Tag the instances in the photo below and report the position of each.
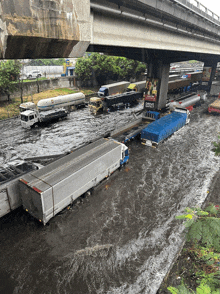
(109, 103)
(188, 82)
(164, 127)
(112, 89)
(137, 87)
(48, 191)
(76, 100)
(32, 118)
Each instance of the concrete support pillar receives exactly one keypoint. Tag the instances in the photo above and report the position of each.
(209, 71)
(160, 70)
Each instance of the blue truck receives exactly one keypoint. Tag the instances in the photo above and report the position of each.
(164, 127)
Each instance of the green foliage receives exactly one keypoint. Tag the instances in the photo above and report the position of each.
(202, 226)
(181, 289)
(217, 147)
(9, 72)
(211, 280)
(83, 68)
(193, 61)
(203, 233)
(106, 67)
(201, 289)
(41, 62)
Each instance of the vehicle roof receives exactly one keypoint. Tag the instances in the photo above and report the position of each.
(93, 99)
(116, 84)
(27, 104)
(28, 112)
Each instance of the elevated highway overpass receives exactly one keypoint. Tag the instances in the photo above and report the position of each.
(157, 32)
(51, 28)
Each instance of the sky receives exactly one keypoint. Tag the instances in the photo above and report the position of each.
(213, 5)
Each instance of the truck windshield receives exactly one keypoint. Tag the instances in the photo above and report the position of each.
(22, 109)
(94, 103)
(24, 117)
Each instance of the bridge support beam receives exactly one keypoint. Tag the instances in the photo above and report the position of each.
(209, 71)
(44, 29)
(158, 69)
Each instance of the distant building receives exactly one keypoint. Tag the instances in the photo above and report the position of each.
(68, 69)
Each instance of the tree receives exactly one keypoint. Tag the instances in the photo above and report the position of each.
(105, 67)
(9, 72)
(83, 69)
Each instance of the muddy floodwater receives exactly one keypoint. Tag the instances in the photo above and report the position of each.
(123, 238)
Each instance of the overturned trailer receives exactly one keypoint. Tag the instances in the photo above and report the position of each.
(47, 191)
(10, 198)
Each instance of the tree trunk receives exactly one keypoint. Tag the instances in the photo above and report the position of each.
(21, 87)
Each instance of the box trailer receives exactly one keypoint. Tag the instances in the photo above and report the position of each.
(112, 89)
(47, 191)
(162, 128)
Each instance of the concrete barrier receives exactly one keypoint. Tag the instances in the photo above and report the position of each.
(31, 87)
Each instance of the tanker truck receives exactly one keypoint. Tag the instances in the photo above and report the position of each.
(76, 100)
(50, 109)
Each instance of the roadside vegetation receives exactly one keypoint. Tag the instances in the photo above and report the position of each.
(217, 147)
(46, 62)
(197, 270)
(11, 109)
(9, 73)
(105, 67)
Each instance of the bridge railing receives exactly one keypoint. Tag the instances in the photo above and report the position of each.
(204, 9)
(199, 8)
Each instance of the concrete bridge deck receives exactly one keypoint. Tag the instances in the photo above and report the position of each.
(50, 28)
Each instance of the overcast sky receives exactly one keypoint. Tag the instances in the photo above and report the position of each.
(213, 5)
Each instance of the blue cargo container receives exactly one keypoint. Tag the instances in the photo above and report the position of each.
(164, 127)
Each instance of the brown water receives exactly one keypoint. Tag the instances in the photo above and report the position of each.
(123, 238)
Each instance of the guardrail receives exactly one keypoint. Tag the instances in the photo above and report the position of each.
(204, 9)
(199, 7)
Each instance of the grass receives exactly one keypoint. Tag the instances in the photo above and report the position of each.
(30, 80)
(11, 109)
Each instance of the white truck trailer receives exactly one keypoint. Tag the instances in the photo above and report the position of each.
(113, 89)
(47, 191)
(76, 100)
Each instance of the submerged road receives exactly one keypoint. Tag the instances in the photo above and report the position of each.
(123, 238)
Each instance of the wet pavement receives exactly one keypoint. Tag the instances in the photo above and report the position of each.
(124, 237)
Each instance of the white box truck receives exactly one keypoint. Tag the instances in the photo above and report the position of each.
(47, 191)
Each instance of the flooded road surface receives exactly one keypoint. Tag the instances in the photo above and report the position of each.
(123, 238)
(17, 143)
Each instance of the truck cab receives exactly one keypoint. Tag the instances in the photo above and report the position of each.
(103, 92)
(132, 87)
(29, 118)
(95, 105)
(27, 106)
